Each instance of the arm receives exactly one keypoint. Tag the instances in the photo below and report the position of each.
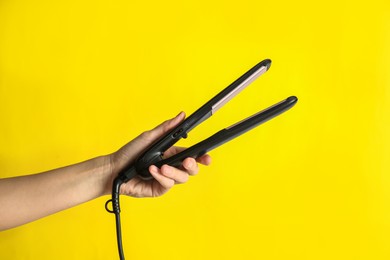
(27, 198)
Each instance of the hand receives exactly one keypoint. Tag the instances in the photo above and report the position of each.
(34, 196)
(165, 177)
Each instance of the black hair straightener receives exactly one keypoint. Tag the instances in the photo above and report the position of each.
(154, 154)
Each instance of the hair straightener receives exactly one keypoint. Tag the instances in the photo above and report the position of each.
(154, 154)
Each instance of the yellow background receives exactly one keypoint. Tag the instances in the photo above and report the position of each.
(79, 79)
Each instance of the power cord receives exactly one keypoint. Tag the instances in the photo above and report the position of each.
(118, 181)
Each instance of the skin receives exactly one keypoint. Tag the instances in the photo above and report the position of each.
(27, 198)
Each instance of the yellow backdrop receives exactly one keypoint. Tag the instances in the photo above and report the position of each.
(79, 79)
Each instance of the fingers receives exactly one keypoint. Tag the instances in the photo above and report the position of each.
(172, 151)
(165, 182)
(204, 159)
(167, 175)
(190, 165)
(175, 174)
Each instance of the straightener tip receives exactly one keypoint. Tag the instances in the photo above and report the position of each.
(267, 63)
(292, 99)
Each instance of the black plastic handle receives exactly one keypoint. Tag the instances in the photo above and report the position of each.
(230, 133)
(154, 153)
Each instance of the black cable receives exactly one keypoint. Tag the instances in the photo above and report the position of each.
(119, 236)
(122, 177)
(116, 210)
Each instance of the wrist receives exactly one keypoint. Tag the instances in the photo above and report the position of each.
(106, 175)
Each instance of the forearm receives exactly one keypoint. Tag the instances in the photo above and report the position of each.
(27, 198)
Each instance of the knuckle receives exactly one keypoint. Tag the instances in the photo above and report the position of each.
(166, 170)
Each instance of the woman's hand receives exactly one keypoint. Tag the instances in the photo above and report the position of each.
(163, 178)
(34, 196)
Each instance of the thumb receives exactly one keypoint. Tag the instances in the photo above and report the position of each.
(128, 153)
(163, 128)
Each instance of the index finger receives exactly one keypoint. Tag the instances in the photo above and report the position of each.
(204, 159)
